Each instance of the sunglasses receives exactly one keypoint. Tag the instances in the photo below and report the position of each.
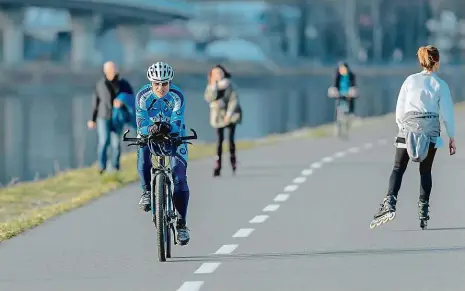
(156, 84)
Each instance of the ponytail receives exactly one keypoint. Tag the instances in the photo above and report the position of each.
(428, 57)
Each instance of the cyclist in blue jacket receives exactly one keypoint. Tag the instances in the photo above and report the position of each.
(160, 108)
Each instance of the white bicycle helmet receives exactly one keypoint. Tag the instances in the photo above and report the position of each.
(160, 72)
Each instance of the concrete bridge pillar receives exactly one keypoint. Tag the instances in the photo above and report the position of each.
(83, 35)
(134, 40)
(11, 23)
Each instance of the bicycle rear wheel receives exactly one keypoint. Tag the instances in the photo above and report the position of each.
(342, 124)
(160, 215)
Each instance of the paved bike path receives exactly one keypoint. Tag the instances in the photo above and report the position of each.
(319, 238)
(111, 244)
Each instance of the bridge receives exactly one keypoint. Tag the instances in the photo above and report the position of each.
(90, 18)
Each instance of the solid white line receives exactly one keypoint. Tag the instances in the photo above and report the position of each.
(307, 172)
(290, 188)
(299, 180)
(259, 219)
(281, 197)
(339, 154)
(316, 165)
(207, 268)
(191, 286)
(271, 207)
(226, 249)
(243, 232)
(327, 159)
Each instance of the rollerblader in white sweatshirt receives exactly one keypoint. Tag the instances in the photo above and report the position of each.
(422, 99)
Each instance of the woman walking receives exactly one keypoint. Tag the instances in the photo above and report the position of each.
(422, 99)
(225, 112)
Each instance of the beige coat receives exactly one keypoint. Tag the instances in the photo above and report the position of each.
(227, 105)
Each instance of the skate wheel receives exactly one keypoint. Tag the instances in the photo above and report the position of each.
(373, 224)
(385, 218)
(423, 225)
(392, 215)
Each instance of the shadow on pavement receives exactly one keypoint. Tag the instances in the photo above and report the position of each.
(329, 253)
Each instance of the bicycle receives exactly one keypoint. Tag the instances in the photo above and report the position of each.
(161, 195)
(342, 109)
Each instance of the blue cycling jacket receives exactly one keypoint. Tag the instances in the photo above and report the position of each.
(169, 108)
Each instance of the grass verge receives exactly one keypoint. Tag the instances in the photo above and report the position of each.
(29, 204)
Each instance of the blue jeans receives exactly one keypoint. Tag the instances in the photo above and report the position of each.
(108, 138)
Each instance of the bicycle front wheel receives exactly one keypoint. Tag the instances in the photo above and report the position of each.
(168, 225)
(160, 215)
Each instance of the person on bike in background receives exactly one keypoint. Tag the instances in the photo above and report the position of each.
(160, 108)
(345, 85)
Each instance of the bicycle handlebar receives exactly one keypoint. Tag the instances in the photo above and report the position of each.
(334, 93)
(172, 139)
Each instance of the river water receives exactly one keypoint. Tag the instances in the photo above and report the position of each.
(43, 124)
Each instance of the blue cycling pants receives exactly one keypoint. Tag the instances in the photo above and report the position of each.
(178, 163)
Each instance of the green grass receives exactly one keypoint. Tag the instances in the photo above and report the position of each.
(26, 205)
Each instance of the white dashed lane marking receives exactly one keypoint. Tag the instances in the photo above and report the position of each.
(210, 267)
(339, 154)
(368, 145)
(315, 165)
(281, 197)
(307, 172)
(243, 232)
(191, 286)
(327, 159)
(226, 249)
(207, 268)
(299, 180)
(271, 207)
(354, 150)
(259, 219)
(291, 188)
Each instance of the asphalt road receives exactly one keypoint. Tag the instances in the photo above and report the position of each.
(318, 238)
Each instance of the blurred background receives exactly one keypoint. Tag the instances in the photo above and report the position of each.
(282, 55)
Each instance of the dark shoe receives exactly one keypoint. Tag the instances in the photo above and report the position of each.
(144, 202)
(233, 163)
(183, 234)
(217, 169)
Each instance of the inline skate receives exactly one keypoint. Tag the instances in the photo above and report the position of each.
(386, 212)
(423, 214)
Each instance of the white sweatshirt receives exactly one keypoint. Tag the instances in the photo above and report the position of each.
(426, 92)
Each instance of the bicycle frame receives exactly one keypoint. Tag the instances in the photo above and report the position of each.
(163, 210)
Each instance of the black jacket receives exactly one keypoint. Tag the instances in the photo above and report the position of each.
(104, 94)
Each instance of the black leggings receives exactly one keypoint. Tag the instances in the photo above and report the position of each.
(220, 138)
(400, 165)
